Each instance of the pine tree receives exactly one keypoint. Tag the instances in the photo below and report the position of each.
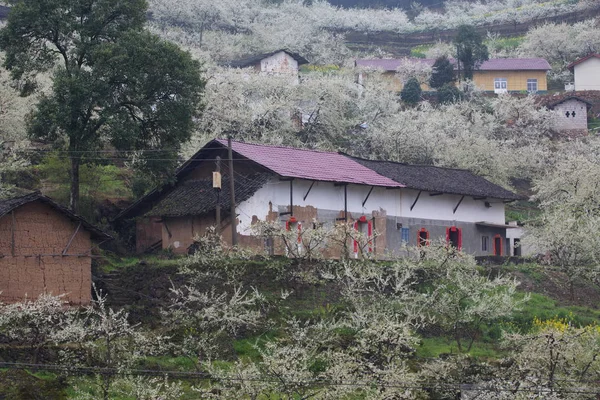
(443, 73)
(411, 92)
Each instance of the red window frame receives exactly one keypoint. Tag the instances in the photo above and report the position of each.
(454, 229)
(288, 227)
(497, 236)
(419, 237)
(364, 220)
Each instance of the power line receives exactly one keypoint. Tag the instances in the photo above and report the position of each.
(196, 375)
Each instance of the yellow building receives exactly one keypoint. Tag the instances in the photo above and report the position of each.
(499, 75)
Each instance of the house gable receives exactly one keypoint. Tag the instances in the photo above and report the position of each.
(587, 72)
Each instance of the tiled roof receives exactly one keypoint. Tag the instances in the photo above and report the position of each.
(515, 64)
(252, 60)
(197, 197)
(587, 96)
(561, 100)
(314, 165)
(495, 64)
(574, 63)
(437, 179)
(11, 204)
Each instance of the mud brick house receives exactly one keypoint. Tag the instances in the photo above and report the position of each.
(45, 248)
(498, 75)
(587, 72)
(300, 188)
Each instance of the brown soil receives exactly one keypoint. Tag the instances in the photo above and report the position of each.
(554, 284)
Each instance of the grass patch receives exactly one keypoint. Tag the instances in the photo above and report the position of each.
(544, 308)
(112, 262)
(435, 346)
(522, 211)
(506, 43)
(420, 50)
(169, 363)
(248, 348)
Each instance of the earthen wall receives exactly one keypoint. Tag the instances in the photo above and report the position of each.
(33, 239)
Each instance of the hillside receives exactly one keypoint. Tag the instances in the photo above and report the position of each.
(402, 44)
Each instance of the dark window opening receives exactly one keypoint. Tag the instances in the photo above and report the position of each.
(454, 237)
(517, 247)
(423, 237)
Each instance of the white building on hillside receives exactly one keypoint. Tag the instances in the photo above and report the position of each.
(587, 72)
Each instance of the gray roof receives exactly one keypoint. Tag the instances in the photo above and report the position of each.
(567, 98)
(253, 60)
(197, 197)
(495, 64)
(8, 205)
(438, 179)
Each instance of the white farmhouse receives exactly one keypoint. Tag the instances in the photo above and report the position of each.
(587, 72)
(390, 203)
(279, 62)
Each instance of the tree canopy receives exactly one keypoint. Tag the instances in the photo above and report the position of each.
(470, 50)
(411, 92)
(114, 85)
(442, 73)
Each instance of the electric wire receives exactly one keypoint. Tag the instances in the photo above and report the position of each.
(198, 375)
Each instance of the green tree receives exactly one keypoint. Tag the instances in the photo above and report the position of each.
(470, 50)
(449, 94)
(411, 92)
(114, 83)
(443, 73)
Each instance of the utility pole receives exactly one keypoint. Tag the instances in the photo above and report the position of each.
(458, 62)
(232, 194)
(217, 187)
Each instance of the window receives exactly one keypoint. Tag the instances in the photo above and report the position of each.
(423, 237)
(365, 227)
(485, 243)
(405, 235)
(500, 83)
(532, 85)
(454, 237)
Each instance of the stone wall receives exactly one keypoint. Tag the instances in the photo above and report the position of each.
(32, 240)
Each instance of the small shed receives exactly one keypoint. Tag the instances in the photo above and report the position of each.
(572, 114)
(45, 249)
(587, 72)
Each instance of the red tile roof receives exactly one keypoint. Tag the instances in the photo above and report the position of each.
(574, 63)
(292, 162)
(495, 64)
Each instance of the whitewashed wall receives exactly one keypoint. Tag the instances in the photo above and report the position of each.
(396, 202)
(587, 74)
(279, 63)
(441, 208)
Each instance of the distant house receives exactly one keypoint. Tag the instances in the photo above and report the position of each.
(300, 188)
(587, 72)
(572, 115)
(45, 249)
(279, 62)
(499, 75)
